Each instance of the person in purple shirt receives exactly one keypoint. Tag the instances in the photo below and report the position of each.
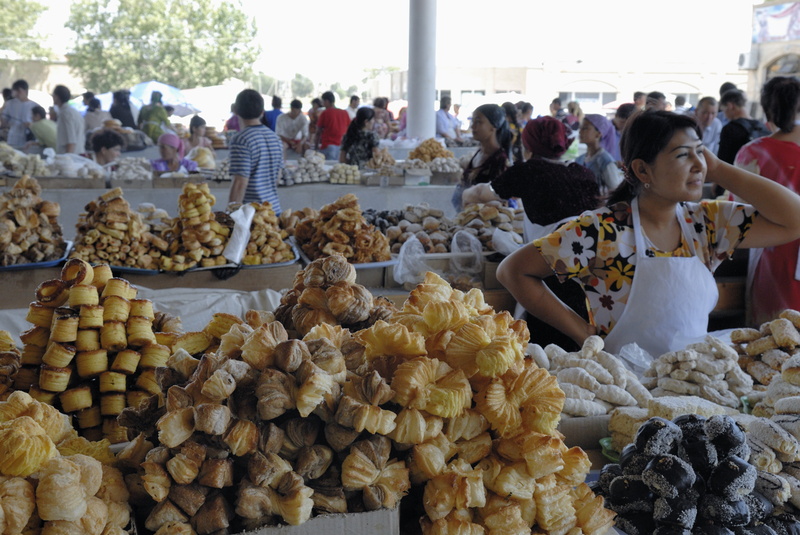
(171, 148)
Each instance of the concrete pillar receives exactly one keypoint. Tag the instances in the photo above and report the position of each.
(422, 69)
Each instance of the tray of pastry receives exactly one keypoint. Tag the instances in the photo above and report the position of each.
(296, 259)
(34, 265)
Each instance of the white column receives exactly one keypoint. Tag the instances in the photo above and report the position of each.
(422, 69)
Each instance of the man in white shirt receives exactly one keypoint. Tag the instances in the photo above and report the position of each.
(17, 114)
(355, 102)
(706, 115)
(446, 124)
(292, 128)
(70, 131)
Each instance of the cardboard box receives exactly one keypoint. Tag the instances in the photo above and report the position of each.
(383, 521)
(584, 432)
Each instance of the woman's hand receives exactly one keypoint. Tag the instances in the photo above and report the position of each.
(712, 164)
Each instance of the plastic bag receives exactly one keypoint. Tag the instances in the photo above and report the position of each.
(411, 266)
(635, 358)
(504, 242)
(467, 254)
(237, 244)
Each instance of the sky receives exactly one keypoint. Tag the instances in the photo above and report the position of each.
(335, 41)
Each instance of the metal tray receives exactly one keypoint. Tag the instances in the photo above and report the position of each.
(34, 265)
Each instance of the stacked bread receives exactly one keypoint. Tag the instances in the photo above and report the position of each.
(707, 369)
(482, 219)
(198, 235)
(594, 381)
(341, 229)
(29, 229)
(267, 243)
(763, 351)
(433, 230)
(21, 164)
(428, 150)
(133, 168)
(53, 482)
(109, 231)
(343, 173)
(382, 162)
(93, 348)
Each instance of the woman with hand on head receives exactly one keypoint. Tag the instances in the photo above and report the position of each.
(490, 129)
(646, 260)
(598, 134)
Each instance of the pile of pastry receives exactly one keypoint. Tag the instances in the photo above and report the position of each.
(341, 229)
(433, 230)
(29, 229)
(428, 150)
(594, 381)
(692, 475)
(93, 348)
(267, 243)
(21, 164)
(53, 481)
(709, 370)
(289, 219)
(482, 219)
(198, 235)
(109, 231)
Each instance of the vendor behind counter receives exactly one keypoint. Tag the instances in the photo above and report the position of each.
(646, 259)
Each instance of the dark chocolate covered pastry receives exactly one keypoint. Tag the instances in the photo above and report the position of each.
(733, 478)
(691, 425)
(632, 461)
(784, 524)
(680, 511)
(755, 529)
(760, 506)
(627, 488)
(716, 510)
(668, 475)
(607, 475)
(658, 436)
(700, 453)
(728, 437)
(672, 530)
(711, 529)
(636, 523)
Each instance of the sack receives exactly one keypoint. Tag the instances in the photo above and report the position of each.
(411, 266)
(755, 129)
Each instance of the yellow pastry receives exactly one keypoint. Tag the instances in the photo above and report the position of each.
(221, 323)
(135, 397)
(142, 307)
(64, 327)
(116, 286)
(112, 404)
(102, 273)
(192, 342)
(91, 317)
(43, 395)
(91, 363)
(147, 382)
(77, 271)
(154, 356)
(113, 336)
(87, 340)
(31, 355)
(114, 432)
(167, 338)
(52, 293)
(24, 447)
(37, 336)
(76, 399)
(89, 418)
(126, 361)
(19, 502)
(116, 308)
(58, 354)
(59, 495)
(40, 315)
(83, 294)
(113, 382)
(140, 331)
(54, 379)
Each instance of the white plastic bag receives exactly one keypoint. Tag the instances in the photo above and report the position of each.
(504, 242)
(411, 266)
(237, 244)
(467, 254)
(635, 358)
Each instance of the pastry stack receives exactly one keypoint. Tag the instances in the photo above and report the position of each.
(428, 150)
(53, 482)
(431, 228)
(707, 369)
(110, 232)
(267, 243)
(29, 229)
(198, 235)
(289, 219)
(93, 348)
(481, 220)
(594, 381)
(341, 229)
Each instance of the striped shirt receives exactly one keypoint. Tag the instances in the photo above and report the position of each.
(257, 154)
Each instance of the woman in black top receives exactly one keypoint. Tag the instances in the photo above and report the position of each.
(359, 142)
(121, 109)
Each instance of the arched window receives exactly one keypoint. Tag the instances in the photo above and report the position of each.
(788, 65)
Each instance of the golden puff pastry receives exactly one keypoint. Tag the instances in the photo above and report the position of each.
(259, 346)
(175, 427)
(503, 515)
(541, 453)
(60, 494)
(156, 480)
(24, 447)
(91, 473)
(230, 343)
(430, 385)
(385, 339)
(19, 403)
(362, 416)
(456, 488)
(18, 503)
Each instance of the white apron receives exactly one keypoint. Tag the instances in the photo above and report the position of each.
(670, 298)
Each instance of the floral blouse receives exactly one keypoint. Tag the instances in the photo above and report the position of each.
(358, 151)
(599, 249)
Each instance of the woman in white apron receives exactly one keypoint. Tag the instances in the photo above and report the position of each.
(646, 260)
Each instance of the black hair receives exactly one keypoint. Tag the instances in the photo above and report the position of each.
(196, 122)
(107, 139)
(727, 86)
(94, 104)
(680, 100)
(511, 112)
(20, 84)
(656, 95)
(329, 96)
(707, 100)
(556, 101)
(38, 110)
(625, 110)
(646, 134)
(445, 102)
(316, 101)
(735, 97)
(378, 102)
(526, 107)
(354, 97)
(120, 96)
(88, 95)
(296, 104)
(7, 95)
(63, 94)
(356, 125)
(249, 104)
(638, 94)
(169, 108)
(780, 98)
(497, 116)
(276, 101)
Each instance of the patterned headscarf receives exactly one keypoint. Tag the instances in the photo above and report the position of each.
(546, 136)
(606, 128)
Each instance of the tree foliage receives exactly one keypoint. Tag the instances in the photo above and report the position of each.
(301, 86)
(17, 20)
(185, 43)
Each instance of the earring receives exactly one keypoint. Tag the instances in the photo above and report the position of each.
(646, 186)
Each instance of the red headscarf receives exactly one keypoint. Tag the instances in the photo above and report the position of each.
(546, 136)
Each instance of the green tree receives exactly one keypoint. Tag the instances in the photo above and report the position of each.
(339, 91)
(264, 83)
(17, 19)
(185, 43)
(301, 86)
